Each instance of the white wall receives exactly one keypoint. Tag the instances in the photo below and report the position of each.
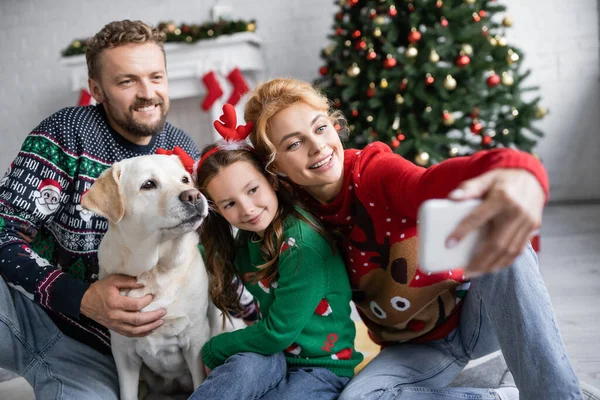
(560, 42)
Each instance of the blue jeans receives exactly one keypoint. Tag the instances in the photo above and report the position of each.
(56, 366)
(510, 310)
(253, 376)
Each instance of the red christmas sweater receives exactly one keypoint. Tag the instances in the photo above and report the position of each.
(376, 215)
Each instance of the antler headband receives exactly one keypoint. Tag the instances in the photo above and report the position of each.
(234, 138)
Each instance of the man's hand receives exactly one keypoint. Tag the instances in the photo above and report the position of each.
(513, 201)
(103, 303)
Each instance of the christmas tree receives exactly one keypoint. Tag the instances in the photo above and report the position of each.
(433, 79)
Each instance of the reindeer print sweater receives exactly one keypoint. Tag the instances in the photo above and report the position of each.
(375, 214)
(305, 312)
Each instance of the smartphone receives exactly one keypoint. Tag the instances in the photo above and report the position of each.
(437, 219)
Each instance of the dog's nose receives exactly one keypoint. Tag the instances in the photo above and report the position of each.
(191, 196)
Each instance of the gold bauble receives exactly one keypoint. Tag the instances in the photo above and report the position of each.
(399, 99)
(450, 82)
(470, 1)
(379, 20)
(171, 27)
(422, 158)
(369, 118)
(507, 79)
(449, 120)
(376, 32)
(467, 49)
(493, 41)
(505, 132)
(76, 44)
(411, 52)
(348, 43)
(251, 27)
(177, 31)
(383, 84)
(353, 71)
(502, 41)
(453, 152)
(540, 112)
(434, 56)
(512, 57)
(210, 32)
(507, 21)
(514, 112)
(330, 49)
(428, 109)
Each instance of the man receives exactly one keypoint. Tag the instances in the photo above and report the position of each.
(53, 311)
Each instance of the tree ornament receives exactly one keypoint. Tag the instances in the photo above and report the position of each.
(372, 13)
(395, 143)
(403, 85)
(453, 152)
(493, 80)
(470, 2)
(377, 32)
(540, 112)
(439, 3)
(511, 57)
(463, 60)
(361, 45)
(393, 12)
(467, 49)
(429, 79)
(353, 71)
(422, 158)
(428, 109)
(383, 83)
(447, 118)
(369, 118)
(486, 140)
(355, 113)
(491, 133)
(323, 70)
(371, 90)
(514, 112)
(329, 49)
(400, 137)
(507, 21)
(476, 17)
(493, 41)
(352, 3)
(485, 31)
(356, 34)
(505, 132)
(396, 123)
(399, 99)
(411, 8)
(482, 13)
(414, 36)
(371, 55)
(434, 56)
(475, 113)
(501, 41)
(339, 31)
(411, 51)
(450, 82)
(339, 16)
(389, 62)
(444, 22)
(507, 79)
(337, 103)
(347, 43)
(379, 20)
(476, 127)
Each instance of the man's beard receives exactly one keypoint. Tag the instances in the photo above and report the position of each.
(130, 125)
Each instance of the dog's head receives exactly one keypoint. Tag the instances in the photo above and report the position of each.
(148, 194)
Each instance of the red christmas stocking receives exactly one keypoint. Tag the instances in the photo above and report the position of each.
(240, 86)
(85, 98)
(213, 90)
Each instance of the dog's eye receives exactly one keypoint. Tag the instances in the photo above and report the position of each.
(185, 179)
(149, 184)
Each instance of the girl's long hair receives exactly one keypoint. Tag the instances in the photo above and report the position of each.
(216, 234)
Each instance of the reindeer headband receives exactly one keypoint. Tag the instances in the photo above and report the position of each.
(234, 138)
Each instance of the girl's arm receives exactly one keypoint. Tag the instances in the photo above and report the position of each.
(301, 286)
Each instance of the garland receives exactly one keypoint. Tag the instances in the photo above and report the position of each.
(184, 33)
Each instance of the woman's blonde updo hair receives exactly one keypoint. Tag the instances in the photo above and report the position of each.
(273, 96)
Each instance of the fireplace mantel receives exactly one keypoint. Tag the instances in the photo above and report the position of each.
(188, 63)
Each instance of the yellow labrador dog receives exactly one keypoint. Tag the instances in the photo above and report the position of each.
(153, 211)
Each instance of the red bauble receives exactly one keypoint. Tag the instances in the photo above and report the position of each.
(482, 14)
(374, 134)
(493, 80)
(486, 140)
(323, 70)
(361, 45)
(371, 55)
(339, 31)
(339, 16)
(414, 36)
(395, 143)
(429, 80)
(356, 34)
(444, 22)
(411, 8)
(393, 12)
(403, 84)
(355, 113)
(352, 3)
(372, 14)
(463, 60)
(400, 137)
(476, 17)
(476, 127)
(371, 92)
(390, 62)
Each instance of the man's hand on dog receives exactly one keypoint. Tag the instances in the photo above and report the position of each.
(103, 303)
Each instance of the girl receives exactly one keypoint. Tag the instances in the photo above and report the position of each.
(291, 269)
(430, 325)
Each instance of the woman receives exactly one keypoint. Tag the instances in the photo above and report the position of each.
(430, 326)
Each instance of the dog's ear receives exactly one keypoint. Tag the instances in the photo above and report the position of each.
(104, 197)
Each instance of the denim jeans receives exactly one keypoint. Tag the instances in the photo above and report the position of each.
(510, 310)
(253, 376)
(56, 366)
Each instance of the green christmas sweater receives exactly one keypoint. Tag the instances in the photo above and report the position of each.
(305, 313)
